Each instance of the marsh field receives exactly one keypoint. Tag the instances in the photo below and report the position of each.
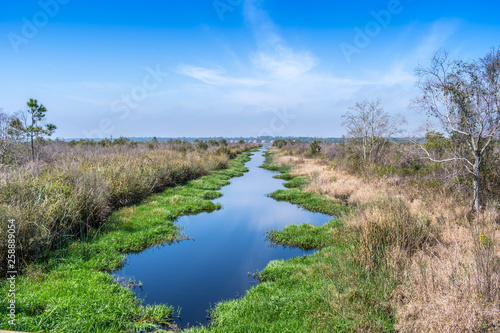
(397, 247)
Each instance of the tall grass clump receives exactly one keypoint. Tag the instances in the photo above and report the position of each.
(387, 229)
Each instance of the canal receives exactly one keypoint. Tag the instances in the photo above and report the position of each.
(226, 246)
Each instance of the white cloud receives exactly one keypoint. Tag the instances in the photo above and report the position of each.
(215, 77)
(284, 64)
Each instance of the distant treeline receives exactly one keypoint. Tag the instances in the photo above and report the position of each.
(302, 139)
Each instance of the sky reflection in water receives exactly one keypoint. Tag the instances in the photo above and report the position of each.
(226, 245)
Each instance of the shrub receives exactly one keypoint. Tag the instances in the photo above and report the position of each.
(315, 147)
(202, 145)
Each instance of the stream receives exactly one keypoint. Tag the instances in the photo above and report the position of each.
(226, 246)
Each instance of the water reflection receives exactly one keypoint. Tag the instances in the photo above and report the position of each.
(226, 246)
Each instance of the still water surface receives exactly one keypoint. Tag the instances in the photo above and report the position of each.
(226, 246)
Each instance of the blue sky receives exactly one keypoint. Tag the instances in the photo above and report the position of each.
(226, 67)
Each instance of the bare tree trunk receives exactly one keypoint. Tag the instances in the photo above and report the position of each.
(364, 150)
(32, 149)
(475, 182)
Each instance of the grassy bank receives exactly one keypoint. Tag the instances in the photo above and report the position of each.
(70, 289)
(348, 285)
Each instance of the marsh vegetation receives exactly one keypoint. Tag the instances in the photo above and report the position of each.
(71, 231)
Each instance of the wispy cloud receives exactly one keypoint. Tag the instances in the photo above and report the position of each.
(216, 76)
(279, 75)
(274, 55)
(284, 64)
(273, 60)
(89, 101)
(98, 86)
(439, 32)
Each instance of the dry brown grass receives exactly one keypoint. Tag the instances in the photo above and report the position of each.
(336, 183)
(455, 285)
(452, 281)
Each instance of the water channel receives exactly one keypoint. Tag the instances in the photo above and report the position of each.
(226, 246)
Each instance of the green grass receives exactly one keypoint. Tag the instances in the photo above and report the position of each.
(304, 236)
(268, 165)
(310, 201)
(73, 292)
(295, 181)
(327, 291)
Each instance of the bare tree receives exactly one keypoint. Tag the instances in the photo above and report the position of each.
(372, 126)
(464, 97)
(5, 120)
(9, 139)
